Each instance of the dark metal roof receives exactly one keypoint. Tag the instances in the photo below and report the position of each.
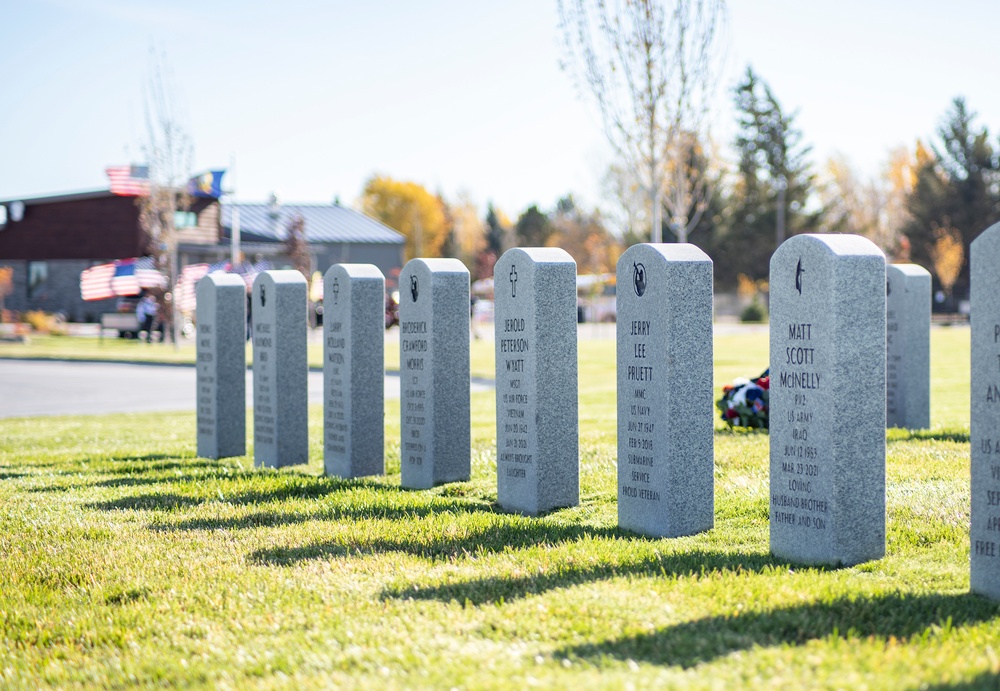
(324, 223)
(64, 197)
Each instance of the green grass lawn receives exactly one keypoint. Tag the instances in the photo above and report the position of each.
(126, 560)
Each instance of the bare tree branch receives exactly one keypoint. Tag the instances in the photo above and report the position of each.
(651, 72)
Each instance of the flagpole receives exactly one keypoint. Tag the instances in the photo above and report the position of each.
(234, 239)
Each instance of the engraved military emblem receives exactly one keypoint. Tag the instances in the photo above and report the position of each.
(336, 290)
(414, 292)
(798, 277)
(639, 278)
(513, 281)
(888, 287)
(263, 298)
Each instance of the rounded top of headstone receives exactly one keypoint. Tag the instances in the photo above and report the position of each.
(438, 265)
(840, 244)
(912, 270)
(281, 276)
(990, 234)
(355, 271)
(540, 255)
(223, 279)
(669, 251)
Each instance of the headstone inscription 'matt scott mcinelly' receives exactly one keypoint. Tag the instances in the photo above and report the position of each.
(280, 404)
(353, 370)
(538, 467)
(907, 346)
(434, 373)
(985, 437)
(222, 366)
(665, 415)
(827, 400)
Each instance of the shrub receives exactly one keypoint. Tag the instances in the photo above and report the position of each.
(754, 312)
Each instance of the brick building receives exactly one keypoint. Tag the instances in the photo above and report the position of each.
(49, 240)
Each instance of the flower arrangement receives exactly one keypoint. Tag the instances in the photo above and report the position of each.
(744, 403)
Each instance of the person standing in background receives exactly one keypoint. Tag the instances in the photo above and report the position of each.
(145, 313)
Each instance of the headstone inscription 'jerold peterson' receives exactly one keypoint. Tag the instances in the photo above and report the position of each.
(353, 370)
(827, 400)
(222, 366)
(434, 373)
(280, 404)
(985, 437)
(665, 414)
(538, 467)
(908, 346)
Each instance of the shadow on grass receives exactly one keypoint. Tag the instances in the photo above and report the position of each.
(147, 502)
(5, 475)
(984, 680)
(282, 487)
(703, 640)
(897, 434)
(503, 589)
(496, 537)
(380, 511)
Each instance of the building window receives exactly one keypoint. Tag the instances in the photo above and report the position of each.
(185, 219)
(38, 276)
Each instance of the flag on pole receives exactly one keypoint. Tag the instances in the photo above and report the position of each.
(249, 271)
(207, 184)
(95, 282)
(186, 283)
(146, 274)
(129, 181)
(120, 278)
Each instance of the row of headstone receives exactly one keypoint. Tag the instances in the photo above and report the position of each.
(828, 395)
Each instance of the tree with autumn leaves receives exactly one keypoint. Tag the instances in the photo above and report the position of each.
(433, 227)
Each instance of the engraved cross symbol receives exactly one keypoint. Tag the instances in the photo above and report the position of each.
(262, 297)
(336, 290)
(513, 281)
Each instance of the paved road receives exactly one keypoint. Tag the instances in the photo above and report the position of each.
(71, 388)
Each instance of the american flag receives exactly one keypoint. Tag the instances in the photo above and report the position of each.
(132, 275)
(129, 181)
(249, 271)
(188, 282)
(147, 275)
(95, 282)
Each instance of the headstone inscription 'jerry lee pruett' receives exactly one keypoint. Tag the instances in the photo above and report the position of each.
(353, 371)
(280, 403)
(665, 427)
(538, 466)
(434, 369)
(827, 400)
(222, 366)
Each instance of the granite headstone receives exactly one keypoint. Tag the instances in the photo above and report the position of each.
(280, 403)
(666, 467)
(222, 365)
(907, 346)
(985, 429)
(538, 466)
(827, 400)
(354, 370)
(434, 371)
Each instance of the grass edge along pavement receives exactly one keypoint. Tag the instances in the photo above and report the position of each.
(128, 560)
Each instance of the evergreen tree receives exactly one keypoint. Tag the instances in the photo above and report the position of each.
(773, 172)
(496, 233)
(957, 186)
(533, 228)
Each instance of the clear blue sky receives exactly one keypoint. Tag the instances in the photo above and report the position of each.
(314, 97)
